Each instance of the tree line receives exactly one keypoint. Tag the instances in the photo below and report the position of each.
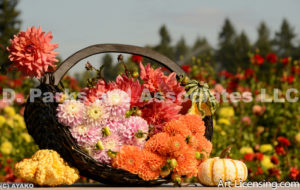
(231, 53)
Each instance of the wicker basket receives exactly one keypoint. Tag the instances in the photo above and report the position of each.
(48, 133)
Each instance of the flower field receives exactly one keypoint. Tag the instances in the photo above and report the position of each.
(264, 127)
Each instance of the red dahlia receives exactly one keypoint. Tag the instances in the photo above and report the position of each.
(271, 57)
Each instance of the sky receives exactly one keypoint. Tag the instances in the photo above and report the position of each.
(76, 24)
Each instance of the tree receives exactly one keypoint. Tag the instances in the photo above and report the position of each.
(9, 26)
(202, 48)
(242, 49)
(164, 46)
(263, 42)
(283, 41)
(109, 71)
(181, 49)
(225, 54)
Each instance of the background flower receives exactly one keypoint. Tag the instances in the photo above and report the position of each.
(32, 53)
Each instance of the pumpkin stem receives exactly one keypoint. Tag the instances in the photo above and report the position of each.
(225, 152)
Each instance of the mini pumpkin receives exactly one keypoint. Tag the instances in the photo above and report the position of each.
(213, 170)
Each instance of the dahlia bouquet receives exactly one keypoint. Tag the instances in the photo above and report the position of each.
(148, 123)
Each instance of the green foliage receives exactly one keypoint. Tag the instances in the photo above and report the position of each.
(9, 25)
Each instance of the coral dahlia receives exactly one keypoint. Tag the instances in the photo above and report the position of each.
(32, 53)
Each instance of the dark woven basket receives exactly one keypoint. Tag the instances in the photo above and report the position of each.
(48, 133)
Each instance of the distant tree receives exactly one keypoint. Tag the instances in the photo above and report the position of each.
(283, 41)
(181, 49)
(164, 46)
(225, 53)
(202, 48)
(109, 71)
(263, 42)
(242, 49)
(9, 25)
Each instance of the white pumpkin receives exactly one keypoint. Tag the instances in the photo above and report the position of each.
(213, 170)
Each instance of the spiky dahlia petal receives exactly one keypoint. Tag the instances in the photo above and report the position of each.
(96, 113)
(71, 113)
(118, 102)
(32, 53)
(86, 136)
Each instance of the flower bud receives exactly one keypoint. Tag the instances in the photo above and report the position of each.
(128, 113)
(99, 145)
(199, 155)
(140, 134)
(135, 74)
(176, 178)
(111, 154)
(173, 163)
(88, 66)
(106, 131)
(165, 173)
(138, 112)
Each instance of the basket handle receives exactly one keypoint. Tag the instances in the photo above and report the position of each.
(111, 48)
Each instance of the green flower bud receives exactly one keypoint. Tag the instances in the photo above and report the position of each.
(128, 113)
(177, 180)
(173, 163)
(111, 154)
(140, 134)
(99, 145)
(199, 155)
(106, 131)
(165, 173)
(138, 113)
(135, 74)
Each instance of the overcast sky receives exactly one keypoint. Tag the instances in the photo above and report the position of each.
(76, 24)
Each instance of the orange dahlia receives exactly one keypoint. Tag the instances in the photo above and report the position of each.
(194, 123)
(129, 158)
(158, 143)
(187, 163)
(32, 53)
(151, 165)
(193, 142)
(177, 127)
(176, 144)
(203, 144)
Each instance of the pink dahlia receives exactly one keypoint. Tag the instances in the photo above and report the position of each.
(132, 87)
(101, 156)
(108, 143)
(86, 136)
(111, 142)
(71, 113)
(118, 102)
(135, 127)
(118, 127)
(32, 53)
(155, 81)
(96, 113)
